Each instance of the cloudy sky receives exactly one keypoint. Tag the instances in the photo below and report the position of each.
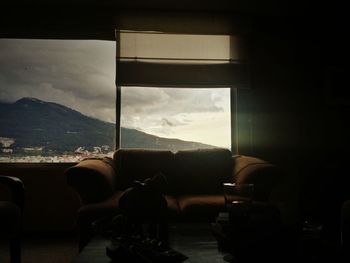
(81, 75)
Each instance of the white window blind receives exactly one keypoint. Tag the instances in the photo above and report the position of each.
(179, 60)
(174, 46)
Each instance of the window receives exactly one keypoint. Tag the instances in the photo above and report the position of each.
(57, 100)
(175, 119)
(179, 87)
(65, 100)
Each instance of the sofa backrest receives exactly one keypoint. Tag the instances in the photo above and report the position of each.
(140, 164)
(201, 171)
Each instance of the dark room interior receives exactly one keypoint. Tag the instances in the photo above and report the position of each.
(290, 104)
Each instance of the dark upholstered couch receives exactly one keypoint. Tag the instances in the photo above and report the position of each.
(195, 178)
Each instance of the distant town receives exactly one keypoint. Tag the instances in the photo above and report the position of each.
(65, 158)
(37, 155)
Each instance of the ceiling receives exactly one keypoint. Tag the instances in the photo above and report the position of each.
(96, 18)
(269, 6)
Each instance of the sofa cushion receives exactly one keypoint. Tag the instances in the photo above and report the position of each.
(201, 171)
(201, 207)
(140, 164)
(110, 207)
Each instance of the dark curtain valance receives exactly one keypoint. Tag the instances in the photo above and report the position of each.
(130, 73)
(184, 22)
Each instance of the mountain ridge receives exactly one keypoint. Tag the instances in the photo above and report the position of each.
(35, 123)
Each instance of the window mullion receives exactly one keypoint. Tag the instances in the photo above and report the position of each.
(234, 130)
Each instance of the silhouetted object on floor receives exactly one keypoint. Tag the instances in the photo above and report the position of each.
(140, 232)
(135, 245)
(11, 216)
(254, 232)
(144, 203)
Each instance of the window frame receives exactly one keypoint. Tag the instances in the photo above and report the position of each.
(233, 107)
(233, 117)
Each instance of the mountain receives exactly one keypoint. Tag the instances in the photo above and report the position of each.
(54, 127)
(132, 138)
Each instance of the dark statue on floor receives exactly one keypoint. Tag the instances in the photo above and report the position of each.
(140, 232)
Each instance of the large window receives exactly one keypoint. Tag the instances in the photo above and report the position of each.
(65, 100)
(57, 100)
(175, 119)
(179, 88)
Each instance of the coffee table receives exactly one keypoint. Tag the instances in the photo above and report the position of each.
(195, 240)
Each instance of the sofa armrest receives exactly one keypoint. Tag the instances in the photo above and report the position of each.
(16, 188)
(93, 179)
(265, 176)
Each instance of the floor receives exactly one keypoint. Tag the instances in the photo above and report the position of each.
(193, 240)
(58, 249)
(63, 249)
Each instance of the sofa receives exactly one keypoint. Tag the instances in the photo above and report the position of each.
(194, 182)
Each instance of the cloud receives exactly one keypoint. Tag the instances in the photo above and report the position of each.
(78, 74)
(162, 111)
(173, 122)
(170, 101)
(166, 122)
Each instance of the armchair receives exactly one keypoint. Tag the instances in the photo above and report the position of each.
(11, 215)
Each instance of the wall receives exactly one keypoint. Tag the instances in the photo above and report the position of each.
(299, 117)
(50, 204)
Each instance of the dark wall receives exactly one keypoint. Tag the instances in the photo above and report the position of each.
(300, 104)
(50, 204)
